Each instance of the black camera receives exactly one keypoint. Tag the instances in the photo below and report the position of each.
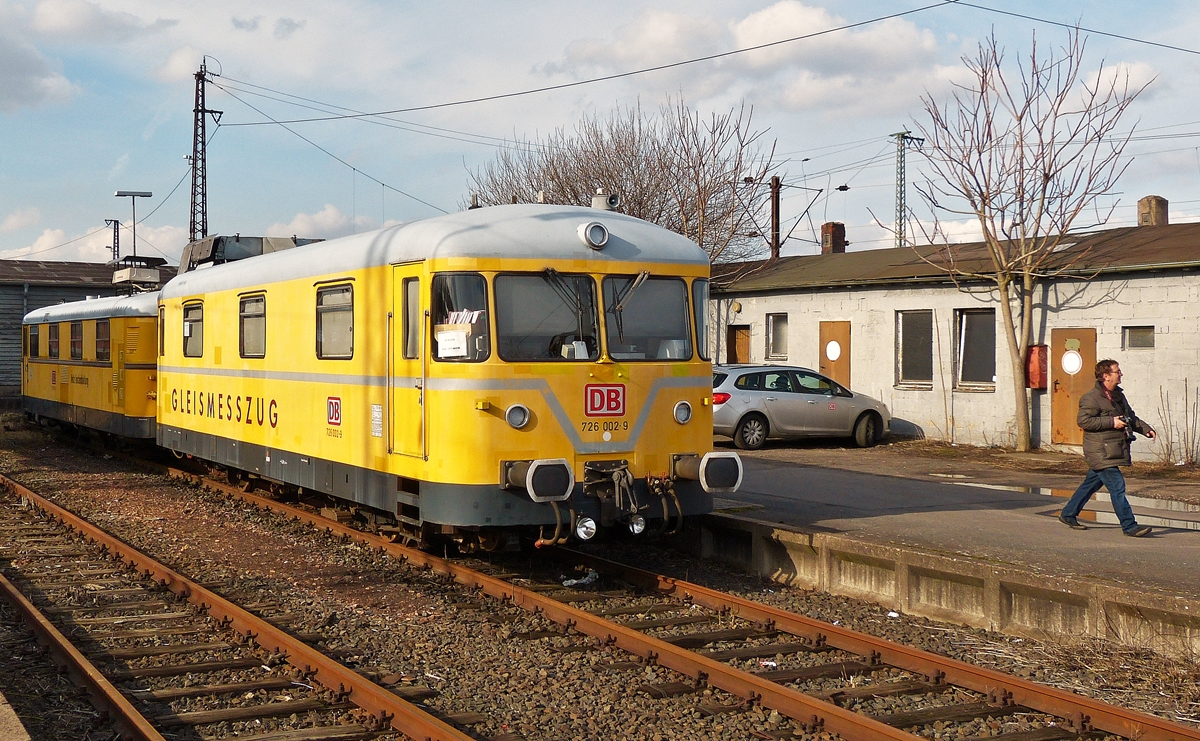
(1130, 435)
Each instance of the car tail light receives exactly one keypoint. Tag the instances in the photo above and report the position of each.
(720, 397)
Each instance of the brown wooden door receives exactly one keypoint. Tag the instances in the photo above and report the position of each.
(834, 351)
(1072, 374)
(737, 344)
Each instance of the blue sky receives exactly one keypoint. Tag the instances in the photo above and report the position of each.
(97, 96)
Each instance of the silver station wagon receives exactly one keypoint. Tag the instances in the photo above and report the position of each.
(754, 402)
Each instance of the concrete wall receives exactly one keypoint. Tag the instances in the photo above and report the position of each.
(952, 588)
(1168, 301)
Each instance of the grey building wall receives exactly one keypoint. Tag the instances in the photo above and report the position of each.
(16, 300)
(1168, 301)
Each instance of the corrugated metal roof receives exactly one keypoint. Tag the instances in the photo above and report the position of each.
(55, 273)
(1129, 249)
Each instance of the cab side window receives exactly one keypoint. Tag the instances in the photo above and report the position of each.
(102, 340)
(335, 323)
(193, 330)
(460, 318)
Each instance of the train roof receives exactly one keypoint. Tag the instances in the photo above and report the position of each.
(141, 304)
(531, 231)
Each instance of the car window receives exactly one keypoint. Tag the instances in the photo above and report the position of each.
(777, 381)
(811, 383)
(750, 381)
(719, 378)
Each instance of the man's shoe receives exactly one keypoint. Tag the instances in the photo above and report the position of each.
(1072, 523)
(1140, 531)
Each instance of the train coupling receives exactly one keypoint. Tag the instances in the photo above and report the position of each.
(719, 472)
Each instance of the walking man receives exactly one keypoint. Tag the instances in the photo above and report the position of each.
(1108, 424)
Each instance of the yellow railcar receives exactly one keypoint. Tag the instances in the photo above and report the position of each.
(93, 364)
(466, 376)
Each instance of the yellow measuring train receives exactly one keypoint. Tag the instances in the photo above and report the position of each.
(500, 373)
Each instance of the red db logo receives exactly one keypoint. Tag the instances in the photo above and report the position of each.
(604, 400)
(334, 410)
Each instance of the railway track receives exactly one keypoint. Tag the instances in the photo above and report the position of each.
(825, 678)
(732, 659)
(165, 656)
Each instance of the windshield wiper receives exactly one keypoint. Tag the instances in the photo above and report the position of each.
(621, 299)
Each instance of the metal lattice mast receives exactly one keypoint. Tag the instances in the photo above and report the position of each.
(116, 244)
(903, 139)
(198, 227)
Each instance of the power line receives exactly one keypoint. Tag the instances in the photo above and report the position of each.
(616, 76)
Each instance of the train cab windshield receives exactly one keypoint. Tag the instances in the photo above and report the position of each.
(546, 316)
(647, 318)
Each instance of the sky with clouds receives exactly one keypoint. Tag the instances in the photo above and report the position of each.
(97, 97)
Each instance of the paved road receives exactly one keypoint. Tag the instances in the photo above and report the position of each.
(1007, 526)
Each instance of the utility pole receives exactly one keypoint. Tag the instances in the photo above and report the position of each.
(198, 228)
(116, 245)
(903, 141)
(775, 188)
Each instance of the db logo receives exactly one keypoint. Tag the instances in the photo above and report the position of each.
(604, 400)
(334, 410)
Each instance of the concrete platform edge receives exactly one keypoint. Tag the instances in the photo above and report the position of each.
(11, 728)
(952, 588)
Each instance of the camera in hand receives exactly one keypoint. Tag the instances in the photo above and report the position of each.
(1130, 435)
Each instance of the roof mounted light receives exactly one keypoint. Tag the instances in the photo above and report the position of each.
(594, 234)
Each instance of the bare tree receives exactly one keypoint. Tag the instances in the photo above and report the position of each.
(701, 177)
(1025, 155)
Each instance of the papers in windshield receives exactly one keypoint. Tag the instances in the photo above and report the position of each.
(465, 316)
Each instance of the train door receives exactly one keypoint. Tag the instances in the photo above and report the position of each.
(1072, 366)
(835, 351)
(406, 372)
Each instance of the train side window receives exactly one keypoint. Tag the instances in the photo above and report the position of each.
(34, 340)
(460, 330)
(52, 341)
(335, 323)
(412, 318)
(102, 340)
(76, 340)
(252, 329)
(162, 331)
(193, 330)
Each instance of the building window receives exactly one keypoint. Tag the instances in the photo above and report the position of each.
(193, 330)
(777, 336)
(412, 318)
(252, 326)
(977, 347)
(76, 340)
(34, 340)
(1137, 338)
(335, 323)
(102, 340)
(914, 348)
(52, 341)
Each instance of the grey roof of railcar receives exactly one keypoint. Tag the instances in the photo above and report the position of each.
(142, 304)
(519, 231)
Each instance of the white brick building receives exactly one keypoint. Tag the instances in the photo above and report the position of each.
(888, 324)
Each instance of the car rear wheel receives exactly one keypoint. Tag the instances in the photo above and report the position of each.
(751, 432)
(866, 431)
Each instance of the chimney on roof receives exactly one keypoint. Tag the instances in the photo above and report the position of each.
(833, 237)
(1152, 211)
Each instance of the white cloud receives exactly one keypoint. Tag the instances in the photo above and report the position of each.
(85, 21)
(27, 78)
(327, 223)
(181, 64)
(246, 24)
(94, 244)
(20, 219)
(119, 166)
(1127, 76)
(285, 27)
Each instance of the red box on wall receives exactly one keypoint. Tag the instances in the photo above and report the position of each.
(1037, 360)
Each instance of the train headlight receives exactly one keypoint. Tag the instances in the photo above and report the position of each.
(637, 524)
(594, 234)
(585, 528)
(517, 416)
(683, 412)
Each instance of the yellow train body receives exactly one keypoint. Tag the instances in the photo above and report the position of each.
(93, 363)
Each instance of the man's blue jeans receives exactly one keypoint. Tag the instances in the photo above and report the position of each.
(1114, 481)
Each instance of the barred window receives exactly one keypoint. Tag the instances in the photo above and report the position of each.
(252, 326)
(335, 323)
(193, 330)
(102, 340)
(1137, 338)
